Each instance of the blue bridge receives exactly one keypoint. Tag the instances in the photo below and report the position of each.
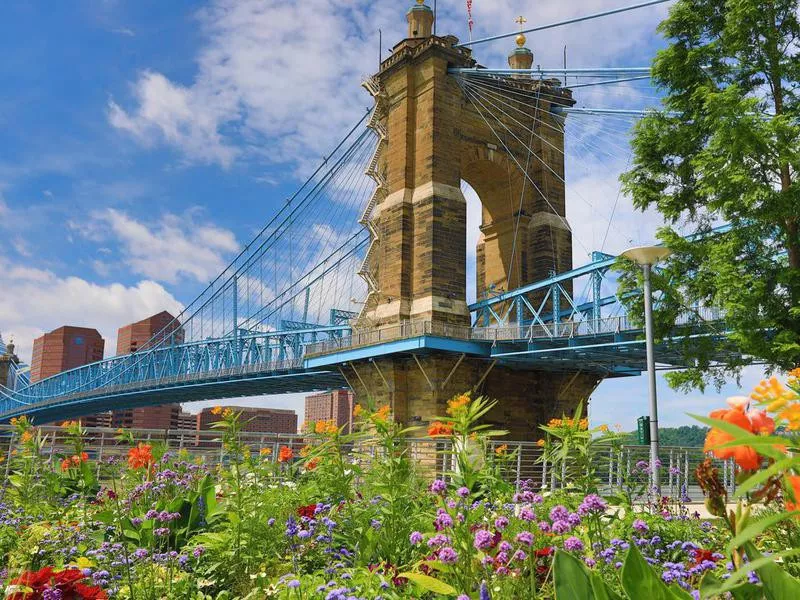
(303, 306)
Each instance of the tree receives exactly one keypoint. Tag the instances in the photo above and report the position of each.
(726, 149)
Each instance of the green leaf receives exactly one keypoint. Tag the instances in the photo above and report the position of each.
(571, 580)
(755, 528)
(777, 583)
(640, 581)
(710, 586)
(760, 565)
(601, 589)
(429, 583)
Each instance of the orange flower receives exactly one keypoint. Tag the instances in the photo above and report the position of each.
(761, 422)
(501, 450)
(457, 403)
(285, 454)
(540, 443)
(794, 481)
(25, 437)
(745, 456)
(265, 451)
(74, 461)
(217, 410)
(383, 413)
(140, 457)
(357, 410)
(438, 428)
(305, 451)
(791, 414)
(312, 464)
(773, 393)
(603, 428)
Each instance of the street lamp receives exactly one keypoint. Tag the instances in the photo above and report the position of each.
(646, 257)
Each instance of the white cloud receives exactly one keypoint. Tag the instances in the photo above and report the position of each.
(173, 247)
(289, 72)
(35, 301)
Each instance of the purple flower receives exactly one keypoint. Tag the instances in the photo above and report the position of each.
(484, 592)
(590, 562)
(573, 544)
(140, 553)
(559, 513)
(438, 540)
(448, 556)
(161, 531)
(304, 534)
(463, 491)
(483, 539)
(136, 521)
(294, 583)
(574, 519)
(462, 597)
(519, 555)
(443, 520)
(526, 514)
(52, 594)
(415, 537)
(592, 504)
(151, 514)
(438, 486)
(640, 525)
(504, 546)
(501, 523)
(375, 524)
(502, 557)
(198, 551)
(271, 521)
(525, 537)
(544, 527)
(561, 527)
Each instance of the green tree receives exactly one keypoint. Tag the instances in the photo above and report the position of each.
(726, 149)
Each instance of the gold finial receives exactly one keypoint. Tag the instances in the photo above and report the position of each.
(521, 39)
(420, 2)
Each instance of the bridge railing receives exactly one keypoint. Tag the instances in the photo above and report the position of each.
(619, 470)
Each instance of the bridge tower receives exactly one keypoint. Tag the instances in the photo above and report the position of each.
(8, 360)
(431, 139)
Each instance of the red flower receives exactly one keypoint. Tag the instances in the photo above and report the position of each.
(69, 582)
(548, 551)
(34, 579)
(700, 555)
(307, 511)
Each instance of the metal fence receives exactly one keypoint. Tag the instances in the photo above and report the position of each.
(619, 470)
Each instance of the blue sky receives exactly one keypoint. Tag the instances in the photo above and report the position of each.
(142, 143)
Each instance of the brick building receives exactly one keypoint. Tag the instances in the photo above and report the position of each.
(336, 405)
(166, 416)
(137, 336)
(63, 349)
(259, 420)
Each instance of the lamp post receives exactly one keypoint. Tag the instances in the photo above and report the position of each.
(646, 257)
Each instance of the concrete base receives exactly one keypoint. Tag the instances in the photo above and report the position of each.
(417, 387)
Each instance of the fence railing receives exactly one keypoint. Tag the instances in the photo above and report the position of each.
(622, 469)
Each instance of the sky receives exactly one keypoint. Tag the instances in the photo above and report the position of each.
(143, 143)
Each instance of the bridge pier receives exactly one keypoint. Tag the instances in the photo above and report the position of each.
(417, 387)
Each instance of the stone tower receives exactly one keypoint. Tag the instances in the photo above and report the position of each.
(7, 360)
(431, 139)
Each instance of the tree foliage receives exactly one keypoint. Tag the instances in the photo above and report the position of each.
(726, 149)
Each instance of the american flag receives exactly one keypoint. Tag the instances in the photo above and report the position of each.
(470, 22)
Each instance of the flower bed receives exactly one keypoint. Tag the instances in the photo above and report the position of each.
(353, 516)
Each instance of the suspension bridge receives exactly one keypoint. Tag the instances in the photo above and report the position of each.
(359, 279)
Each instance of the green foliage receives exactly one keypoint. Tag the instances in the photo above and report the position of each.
(726, 149)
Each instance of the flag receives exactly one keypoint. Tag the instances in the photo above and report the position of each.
(470, 22)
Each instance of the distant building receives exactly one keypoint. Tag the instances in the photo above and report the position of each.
(138, 336)
(336, 405)
(166, 416)
(260, 420)
(63, 349)
(98, 420)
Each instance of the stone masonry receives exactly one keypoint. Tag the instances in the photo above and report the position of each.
(431, 139)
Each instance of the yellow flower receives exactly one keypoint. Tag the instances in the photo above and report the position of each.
(773, 393)
(540, 443)
(217, 410)
(792, 414)
(227, 413)
(583, 424)
(26, 437)
(305, 451)
(14, 421)
(603, 427)
(319, 427)
(265, 451)
(357, 410)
